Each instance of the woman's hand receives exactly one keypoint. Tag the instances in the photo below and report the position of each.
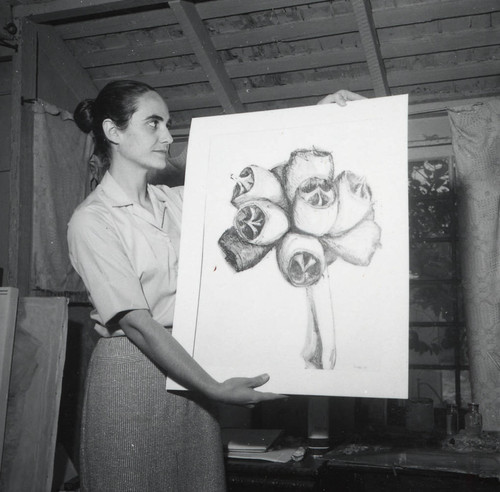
(241, 391)
(341, 97)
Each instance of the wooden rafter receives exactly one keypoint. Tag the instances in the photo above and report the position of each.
(363, 13)
(383, 17)
(293, 31)
(164, 17)
(207, 55)
(343, 23)
(251, 68)
(56, 10)
(397, 47)
(359, 83)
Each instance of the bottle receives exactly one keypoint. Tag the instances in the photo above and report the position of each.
(451, 419)
(473, 421)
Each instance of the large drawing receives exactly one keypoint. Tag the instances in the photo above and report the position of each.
(294, 251)
(313, 218)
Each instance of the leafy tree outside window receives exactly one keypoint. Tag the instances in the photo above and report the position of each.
(437, 331)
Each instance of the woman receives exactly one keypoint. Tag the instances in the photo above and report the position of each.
(124, 243)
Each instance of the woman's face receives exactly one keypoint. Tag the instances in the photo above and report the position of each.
(146, 139)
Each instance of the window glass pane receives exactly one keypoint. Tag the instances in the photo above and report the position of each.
(433, 344)
(430, 177)
(448, 384)
(427, 383)
(431, 261)
(430, 219)
(432, 303)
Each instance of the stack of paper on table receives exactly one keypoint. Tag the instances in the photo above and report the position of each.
(255, 444)
(249, 440)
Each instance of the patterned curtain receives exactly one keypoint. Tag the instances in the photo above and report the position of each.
(61, 178)
(476, 144)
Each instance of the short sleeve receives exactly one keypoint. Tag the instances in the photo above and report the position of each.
(99, 258)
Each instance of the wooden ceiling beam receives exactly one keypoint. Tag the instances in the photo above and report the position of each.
(68, 9)
(57, 10)
(136, 53)
(117, 24)
(397, 47)
(165, 17)
(314, 28)
(432, 10)
(438, 74)
(357, 83)
(207, 55)
(251, 68)
(386, 17)
(314, 89)
(363, 13)
(293, 31)
(440, 42)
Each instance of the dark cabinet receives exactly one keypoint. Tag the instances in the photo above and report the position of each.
(319, 475)
(261, 476)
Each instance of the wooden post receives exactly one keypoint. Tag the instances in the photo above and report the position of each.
(21, 171)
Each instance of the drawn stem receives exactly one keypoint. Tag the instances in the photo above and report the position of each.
(319, 350)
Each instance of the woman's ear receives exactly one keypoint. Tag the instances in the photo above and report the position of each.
(110, 130)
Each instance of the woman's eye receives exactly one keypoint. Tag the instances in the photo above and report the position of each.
(154, 123)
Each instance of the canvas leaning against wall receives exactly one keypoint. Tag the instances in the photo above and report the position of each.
(294, 249)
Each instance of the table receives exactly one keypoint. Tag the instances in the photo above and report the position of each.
(385, 471)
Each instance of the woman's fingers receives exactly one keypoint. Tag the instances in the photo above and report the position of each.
(240, 391)
(257, 381)
(341, 97)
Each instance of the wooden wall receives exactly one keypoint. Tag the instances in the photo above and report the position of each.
(43, 68)
(5, 111)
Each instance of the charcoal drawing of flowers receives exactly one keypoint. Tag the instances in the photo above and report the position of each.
(311, 218)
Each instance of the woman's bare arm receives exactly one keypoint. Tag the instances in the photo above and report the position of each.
(162, 348)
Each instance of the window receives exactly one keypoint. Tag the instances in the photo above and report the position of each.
(438, 356)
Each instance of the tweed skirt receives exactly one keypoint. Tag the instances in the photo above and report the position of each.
(136, 436)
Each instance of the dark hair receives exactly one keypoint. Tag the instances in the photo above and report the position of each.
(116, 101)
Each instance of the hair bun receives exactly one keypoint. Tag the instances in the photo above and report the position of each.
(83, 115)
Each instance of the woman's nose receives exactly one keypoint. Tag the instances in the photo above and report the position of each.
(167, 136)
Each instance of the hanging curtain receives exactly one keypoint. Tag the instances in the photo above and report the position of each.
(61, 155)
(476, 144)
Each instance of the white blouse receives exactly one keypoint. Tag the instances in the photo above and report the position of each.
(127, 257)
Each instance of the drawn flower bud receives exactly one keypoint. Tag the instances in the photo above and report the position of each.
(354, 202)
(356, 246)
(315, 208)
(306, 164)
(261, 222)
(240, 254)
(254, 183)
(301, 259)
